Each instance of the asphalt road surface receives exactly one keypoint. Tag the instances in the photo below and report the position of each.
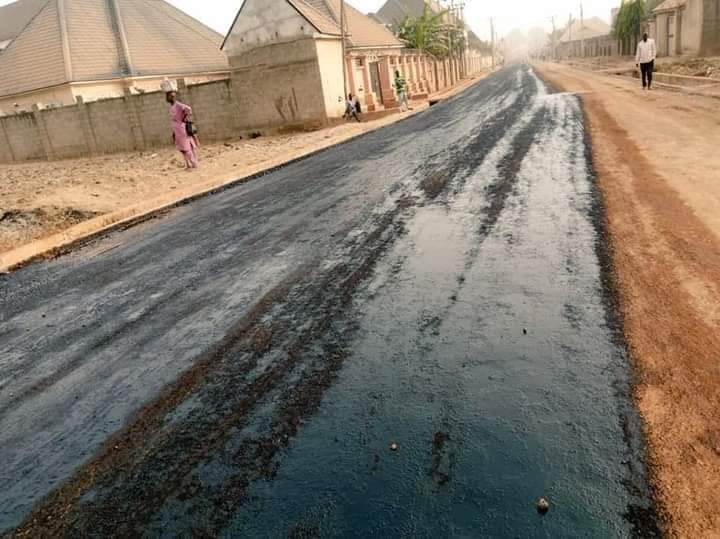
(241, 366)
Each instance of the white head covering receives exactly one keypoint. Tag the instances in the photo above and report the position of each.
(168, 86)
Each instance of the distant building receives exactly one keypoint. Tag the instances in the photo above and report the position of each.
(393, 12)
(587, 38)
(54, 51)
(689, 27)
(287, 64)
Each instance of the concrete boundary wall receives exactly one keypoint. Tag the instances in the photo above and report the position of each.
(123, 124)
(261, 94)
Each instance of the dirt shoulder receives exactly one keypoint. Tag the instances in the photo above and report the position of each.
(38, 199)
(657, 158)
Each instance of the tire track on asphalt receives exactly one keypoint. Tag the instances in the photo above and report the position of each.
(127, 462)
(114, 493)
(229, 388)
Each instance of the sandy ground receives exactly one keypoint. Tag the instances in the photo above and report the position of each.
(40, 198)
(656, 155)
(695, 66)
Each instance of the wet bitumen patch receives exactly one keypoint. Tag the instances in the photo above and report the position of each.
(338, 350)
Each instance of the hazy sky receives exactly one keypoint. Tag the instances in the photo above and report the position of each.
(508, 14)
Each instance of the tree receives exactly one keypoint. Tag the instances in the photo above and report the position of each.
(629, 22)
(427, 33)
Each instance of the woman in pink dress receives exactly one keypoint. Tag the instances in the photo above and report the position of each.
(186, 144)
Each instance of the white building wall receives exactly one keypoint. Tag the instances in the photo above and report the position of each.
(329, 52)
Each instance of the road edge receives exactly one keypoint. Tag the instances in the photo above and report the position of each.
(71, 238)
(657, 520)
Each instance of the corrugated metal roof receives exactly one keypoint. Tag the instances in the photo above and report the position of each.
(160, 40)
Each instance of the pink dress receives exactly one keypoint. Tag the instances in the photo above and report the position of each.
(179, 112)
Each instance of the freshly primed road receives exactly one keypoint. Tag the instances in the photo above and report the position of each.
(240, 366)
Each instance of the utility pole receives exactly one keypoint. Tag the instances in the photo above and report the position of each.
(582, 34)
(554, 38)
(342, 36)
(460, 9)
(492, 41)
(570, 41)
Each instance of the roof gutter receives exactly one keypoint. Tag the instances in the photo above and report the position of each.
(67, 58)
(120, 35)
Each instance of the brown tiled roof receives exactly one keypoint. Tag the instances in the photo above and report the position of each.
(34, 59)
(362, 31)
(393, 12)
(14, 17)
(669, 5)
(319, 18)
(144, 37)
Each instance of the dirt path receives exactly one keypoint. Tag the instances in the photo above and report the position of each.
(657, 157)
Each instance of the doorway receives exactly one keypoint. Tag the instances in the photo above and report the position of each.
(375, 81)
(671, 35)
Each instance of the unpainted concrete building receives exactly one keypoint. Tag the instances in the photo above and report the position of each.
(686, 27)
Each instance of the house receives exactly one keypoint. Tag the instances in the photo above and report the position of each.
(54, 52)
(286, 58)
(686, 27)
(288, 69)
(393, 12)
(587, 38)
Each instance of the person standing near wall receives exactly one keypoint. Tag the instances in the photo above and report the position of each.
(183, 130)
(645, 60)
(401, 89)
(350, 108)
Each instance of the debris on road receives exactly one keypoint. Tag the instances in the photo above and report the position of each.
(542, 506)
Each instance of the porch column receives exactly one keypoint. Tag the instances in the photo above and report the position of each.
(412, 74)
(370, 104)
(386, 83)
(350, 69)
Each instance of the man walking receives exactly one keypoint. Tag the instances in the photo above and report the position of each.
(350, 108)
(401, 89)
(645, 59)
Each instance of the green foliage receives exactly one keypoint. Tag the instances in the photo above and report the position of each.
(425, 33)
(629, 20)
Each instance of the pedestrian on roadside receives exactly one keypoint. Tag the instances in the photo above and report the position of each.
(645, 60)
(358, 107)
(350, 108)
(401, 89)
(184, 134)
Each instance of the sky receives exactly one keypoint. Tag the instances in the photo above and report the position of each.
(507, 14)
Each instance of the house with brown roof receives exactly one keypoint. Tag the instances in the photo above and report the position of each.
(53, 52)
(686, 27)
(287, 61)
(288, 68)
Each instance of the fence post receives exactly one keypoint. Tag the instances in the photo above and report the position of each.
(135, 123)
(88, 131)
(42, 131)
(7, 141)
